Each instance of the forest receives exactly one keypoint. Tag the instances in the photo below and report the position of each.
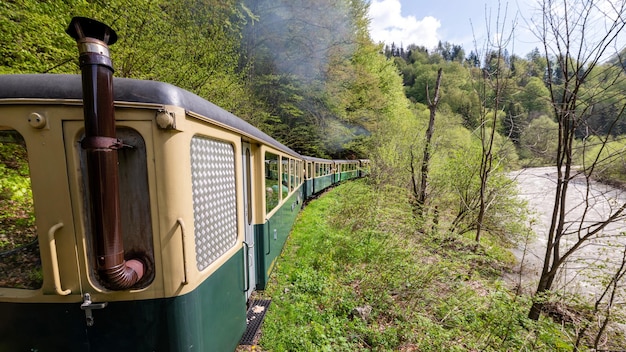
(443, 126)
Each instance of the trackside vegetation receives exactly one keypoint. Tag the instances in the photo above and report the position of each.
(356, 275)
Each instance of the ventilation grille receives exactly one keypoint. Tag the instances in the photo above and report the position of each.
(214, 198)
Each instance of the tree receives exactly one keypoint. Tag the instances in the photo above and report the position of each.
(577, 37)
(535, 98)
(537, 141)
(420, 193)
(496, 76)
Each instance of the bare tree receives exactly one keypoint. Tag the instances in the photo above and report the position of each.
(577, 37)
(494, 75)
(420, 192)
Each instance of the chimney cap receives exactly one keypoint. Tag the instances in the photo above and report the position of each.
(83, 27)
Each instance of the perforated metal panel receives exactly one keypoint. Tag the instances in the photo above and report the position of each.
(214, 198)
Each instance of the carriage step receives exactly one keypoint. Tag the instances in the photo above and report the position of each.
(254, 317)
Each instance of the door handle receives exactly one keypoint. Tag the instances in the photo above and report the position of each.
(181, 224)
(246, 266)
(55, 260)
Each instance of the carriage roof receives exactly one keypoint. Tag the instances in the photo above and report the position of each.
(69, 87)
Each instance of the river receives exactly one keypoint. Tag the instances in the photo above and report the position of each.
(593, 261)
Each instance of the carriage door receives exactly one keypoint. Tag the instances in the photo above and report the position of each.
(250, 272)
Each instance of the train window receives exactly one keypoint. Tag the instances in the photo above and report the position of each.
(292, 174)
(284, 178)
(299, 171)
(20, 261)
(214, 198)
(272, 190)
(248, 164)
(135, 215)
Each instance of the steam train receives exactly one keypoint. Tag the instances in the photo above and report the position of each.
(158, 213)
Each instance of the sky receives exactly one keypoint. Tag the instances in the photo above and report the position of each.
(460, 22)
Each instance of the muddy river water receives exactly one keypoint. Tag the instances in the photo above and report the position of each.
(586, 206)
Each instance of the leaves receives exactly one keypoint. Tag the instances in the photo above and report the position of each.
(20, 264)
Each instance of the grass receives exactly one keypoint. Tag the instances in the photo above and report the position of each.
(358, 250)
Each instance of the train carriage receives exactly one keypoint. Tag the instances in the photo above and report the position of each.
(319, 175)
(283, 198)
(346, 169)
(189, 177)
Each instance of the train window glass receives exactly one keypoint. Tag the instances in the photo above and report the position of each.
(214, 198)
(249, 185)
(292, 174)
(298, 171)
(135, 214)
(20, 262)
(284, 178)
(272, 190)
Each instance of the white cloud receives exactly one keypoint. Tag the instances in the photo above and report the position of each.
(389, 26)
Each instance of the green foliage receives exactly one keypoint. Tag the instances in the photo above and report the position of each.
(189, 43)
(538, 142)
(455, 185)
(33, 38)
(608, 157)
(426, 292)
(20, 265)
(535, 97)
(16, 199)
(14, 175)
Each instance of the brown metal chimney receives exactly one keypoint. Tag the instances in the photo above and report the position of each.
(101, 144)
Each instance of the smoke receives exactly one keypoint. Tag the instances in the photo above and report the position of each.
(299, 37)
(309, 44)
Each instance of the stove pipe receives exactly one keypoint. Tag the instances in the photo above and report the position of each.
(101, 144)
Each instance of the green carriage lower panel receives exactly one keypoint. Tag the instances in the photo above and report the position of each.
(211, 318)
(308, 188)
(322, 182)
(348, 175)
(271, 237)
